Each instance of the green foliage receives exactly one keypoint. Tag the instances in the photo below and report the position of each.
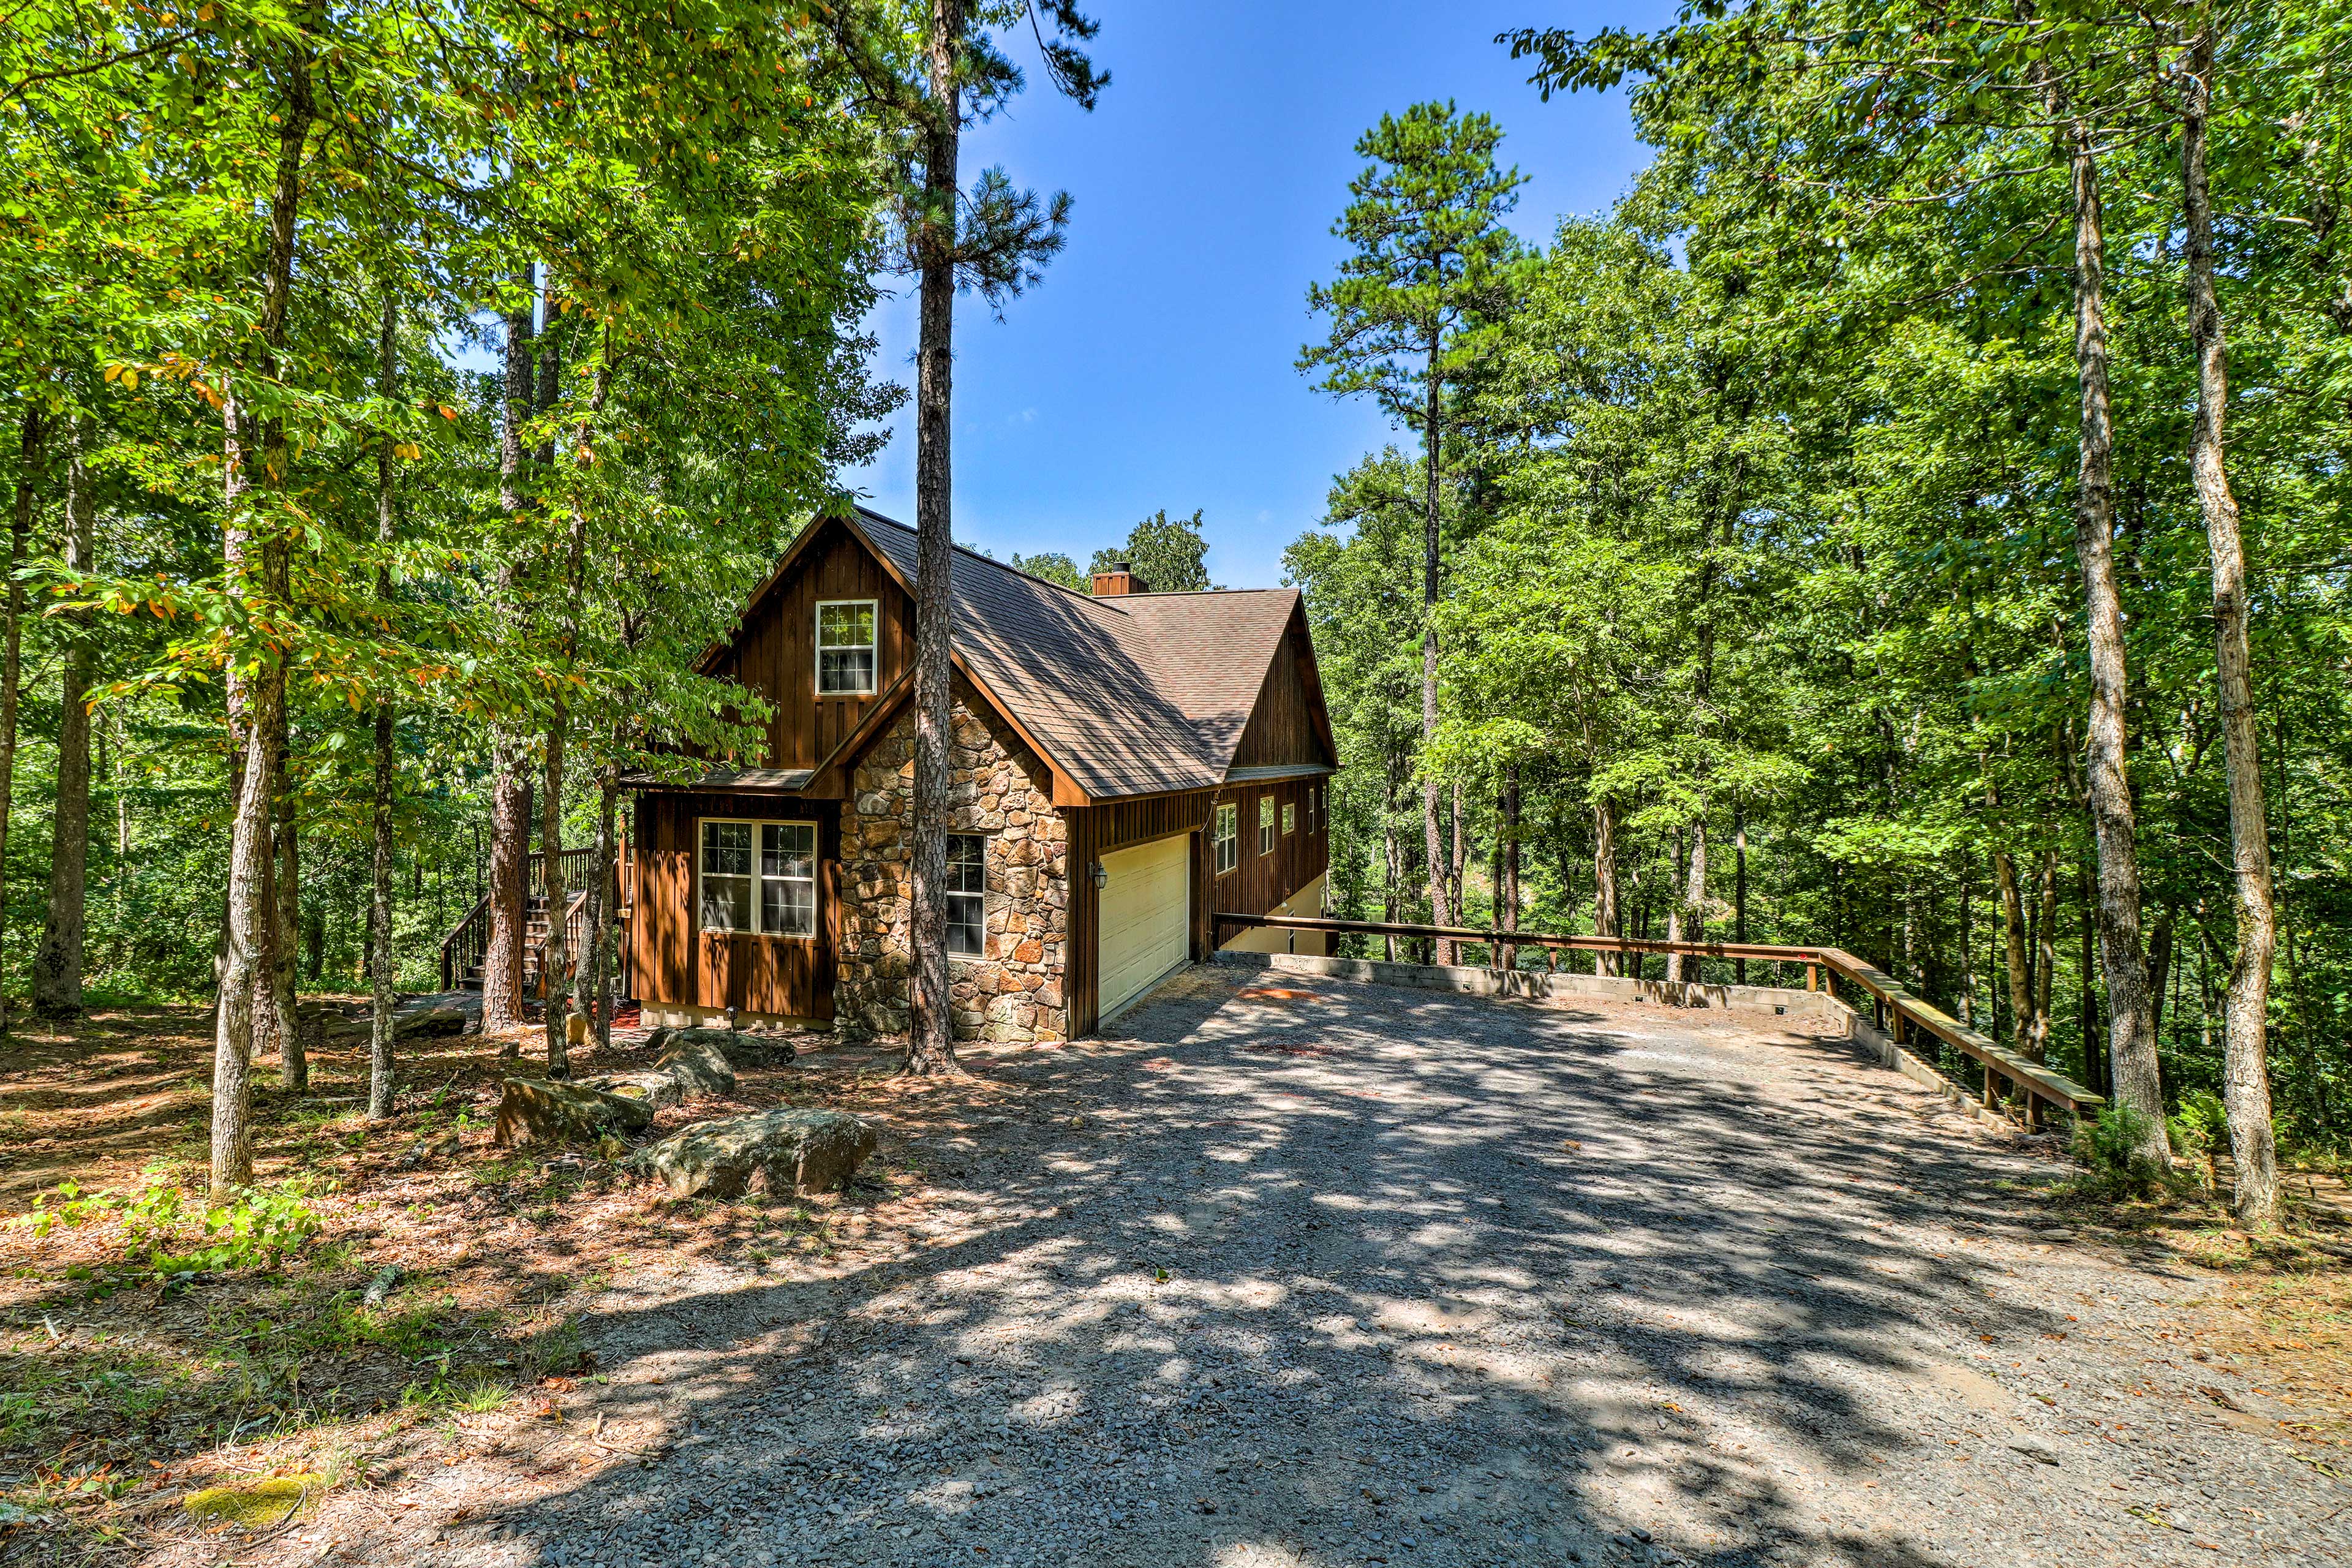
(1757, 510)
(165, 1234)
(2113, 1148)
(1430, 260)
(1168, 554)
(1051, 565)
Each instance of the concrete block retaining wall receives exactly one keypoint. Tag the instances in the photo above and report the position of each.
(1544, 984)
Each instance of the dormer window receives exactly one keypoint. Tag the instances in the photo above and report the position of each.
(844, 648)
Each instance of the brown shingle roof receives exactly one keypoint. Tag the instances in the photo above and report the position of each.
(1134, 694)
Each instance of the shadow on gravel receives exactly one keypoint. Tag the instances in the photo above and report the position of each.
(1373, 1277)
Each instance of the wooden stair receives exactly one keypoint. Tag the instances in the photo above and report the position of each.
(462, 950)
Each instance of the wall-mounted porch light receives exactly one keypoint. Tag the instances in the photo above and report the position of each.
(1100, 877)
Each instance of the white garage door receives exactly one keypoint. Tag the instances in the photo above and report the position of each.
(1145, 928)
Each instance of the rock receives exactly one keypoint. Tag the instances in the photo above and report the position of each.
(2055, 1233)
(791, 1150)
(2033, 1447)
(741, 1050)
(655, 1087)
(379, 1289)
(700, 1067)
(560, 1112)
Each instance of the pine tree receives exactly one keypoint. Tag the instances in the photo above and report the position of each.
(1431, 266)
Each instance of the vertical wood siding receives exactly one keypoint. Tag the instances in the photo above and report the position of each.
(679, 962)
(1261, 881)
(774, 653)
(1285, 726)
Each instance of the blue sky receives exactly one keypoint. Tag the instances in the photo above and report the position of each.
(1154, 366)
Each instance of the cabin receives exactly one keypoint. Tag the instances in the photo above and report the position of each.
(1127, 765)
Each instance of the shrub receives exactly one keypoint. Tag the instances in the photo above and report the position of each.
(165, 1234)
(2110, 1146)
(2199, 1124)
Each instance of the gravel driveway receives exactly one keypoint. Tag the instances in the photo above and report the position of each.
(1301, 1272)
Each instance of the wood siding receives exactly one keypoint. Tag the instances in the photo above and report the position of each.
(675, 962)
(1254, 887)
(1288, 724)
(774, 652)
(1263, 881)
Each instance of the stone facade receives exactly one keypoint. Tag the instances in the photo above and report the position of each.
(1016, 992)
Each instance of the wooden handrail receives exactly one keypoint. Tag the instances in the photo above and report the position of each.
(1893, 1002)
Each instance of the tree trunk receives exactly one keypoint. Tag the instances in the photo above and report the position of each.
(251, 911)
(1441, 911)
(32, 444)
(603, 914)
(1392, 852)
(1695, 902)
(552, 949)
(1511, 860)
(2131, 1040)
(285, 928)
(57, 970)
(1604, 878)
(931, 1045)
(1674, 960)
(2160, 966)
(1740, 888)
(2014, 939)
(2045, 957)
(2245, 1072)
(502, 1001)
(383, 967)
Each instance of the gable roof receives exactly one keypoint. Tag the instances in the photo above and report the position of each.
(1132, 694)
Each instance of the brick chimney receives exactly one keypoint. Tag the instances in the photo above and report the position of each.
(1120, 579)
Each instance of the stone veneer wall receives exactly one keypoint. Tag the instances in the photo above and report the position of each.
(999, 788)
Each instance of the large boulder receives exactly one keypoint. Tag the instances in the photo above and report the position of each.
(694, 1058)
(562, 1112)
(789, 1150)
(421, 1024)
(741, 1050)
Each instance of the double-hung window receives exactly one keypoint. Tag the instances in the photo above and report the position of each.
(967, 894)
(1266, 824)
(1228, 838)
(844, 648)
(759, 877)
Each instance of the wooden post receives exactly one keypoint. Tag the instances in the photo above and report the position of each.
(1812, 977)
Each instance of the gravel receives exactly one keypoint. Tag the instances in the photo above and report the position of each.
(1362, 1275)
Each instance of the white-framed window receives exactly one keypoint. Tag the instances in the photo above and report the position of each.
(845, 632)
(1266, 824)
(968, 894)
(1289, 818)
(1228, 838)
(759, 877)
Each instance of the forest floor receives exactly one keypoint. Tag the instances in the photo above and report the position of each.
(1319, 1276)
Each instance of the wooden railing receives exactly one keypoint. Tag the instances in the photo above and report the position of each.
(1892, 1006)
(469, 939)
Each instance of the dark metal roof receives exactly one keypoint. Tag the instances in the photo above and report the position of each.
(1265, 772)
(1132, 694)
(748, 781)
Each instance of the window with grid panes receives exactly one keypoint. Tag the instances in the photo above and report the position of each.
(844, 648)
(967, 894)
(759, 877)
